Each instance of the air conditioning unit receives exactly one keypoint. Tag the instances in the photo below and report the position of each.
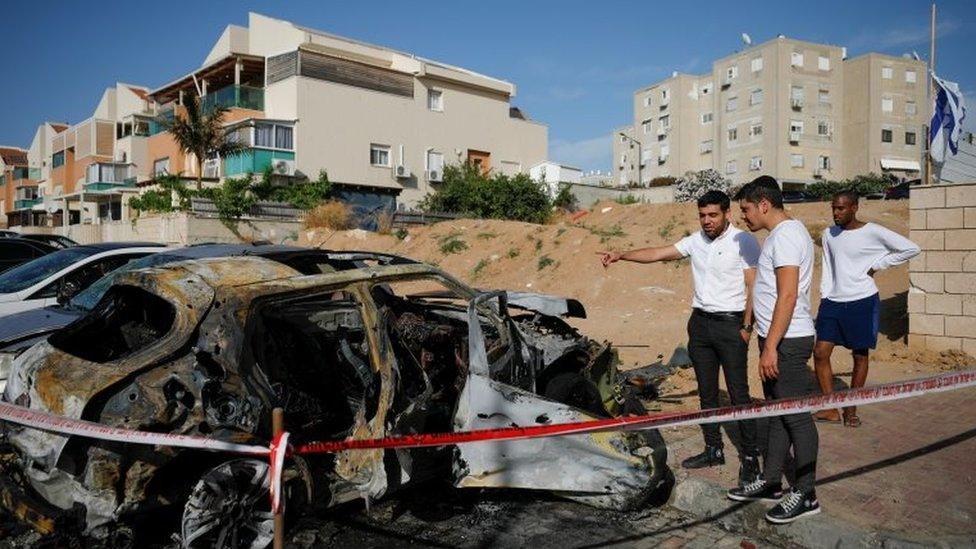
(435, 176)
(818, 173)
(401, 171)
(796, 103)
(661, 159)
(283, 167)
(794, 137)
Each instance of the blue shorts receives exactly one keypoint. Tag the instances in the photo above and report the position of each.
(851, 324)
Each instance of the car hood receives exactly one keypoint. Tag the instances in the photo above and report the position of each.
(35, 322)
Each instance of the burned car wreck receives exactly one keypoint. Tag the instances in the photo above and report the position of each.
(209, 347)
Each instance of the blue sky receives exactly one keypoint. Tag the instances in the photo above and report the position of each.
(576, 63)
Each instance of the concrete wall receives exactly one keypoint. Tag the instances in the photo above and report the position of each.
(587, 195)
(942, 294)
(179, 229)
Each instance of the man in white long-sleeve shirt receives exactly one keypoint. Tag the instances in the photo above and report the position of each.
(850, 308)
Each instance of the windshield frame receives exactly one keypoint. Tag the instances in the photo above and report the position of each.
(39, 270)
(85, 300)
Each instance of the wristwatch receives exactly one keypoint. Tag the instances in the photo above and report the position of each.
(747, 328)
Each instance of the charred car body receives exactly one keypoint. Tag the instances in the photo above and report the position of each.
(210, 347)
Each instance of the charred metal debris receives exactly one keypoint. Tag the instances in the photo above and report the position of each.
(371, 348)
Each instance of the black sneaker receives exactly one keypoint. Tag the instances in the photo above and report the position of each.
(711, 457)
(749, 470)
(793, 506)
(757, 490)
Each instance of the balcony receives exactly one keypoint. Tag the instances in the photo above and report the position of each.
(270, 144)
(242, 97)
(258, 160)
(162, 120)
(26, 203)
(108, 176)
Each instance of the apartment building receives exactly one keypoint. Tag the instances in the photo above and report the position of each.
(381, 123)
(799, 111)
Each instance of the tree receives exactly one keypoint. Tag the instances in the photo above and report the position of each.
(202, 134)
(694, 184)
(467, 190)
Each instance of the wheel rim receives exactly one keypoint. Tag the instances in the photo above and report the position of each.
(229, 507)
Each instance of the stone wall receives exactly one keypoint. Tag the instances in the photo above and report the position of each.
(587, 195)
(942, 294)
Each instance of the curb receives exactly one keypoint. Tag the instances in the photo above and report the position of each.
(707, 501)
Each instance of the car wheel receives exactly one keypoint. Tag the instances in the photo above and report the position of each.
(230, 507)
(577, 391)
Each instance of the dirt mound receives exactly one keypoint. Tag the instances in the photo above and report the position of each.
(641, 308)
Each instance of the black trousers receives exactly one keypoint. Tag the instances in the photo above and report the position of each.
(796, 431)
(714, 341)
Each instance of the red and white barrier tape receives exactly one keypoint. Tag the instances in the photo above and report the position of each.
(279, 447)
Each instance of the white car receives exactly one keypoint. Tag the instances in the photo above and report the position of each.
(58, 276)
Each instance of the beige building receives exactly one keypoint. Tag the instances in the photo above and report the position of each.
(799, 111)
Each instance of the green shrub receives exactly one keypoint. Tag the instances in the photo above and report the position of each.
(513, 253)
(400, 233)
(467, 191)
(613, 231)
(544, 262)
(479, 267)
(451, 244)
(565, 199)
(665, 231)
(627, 199)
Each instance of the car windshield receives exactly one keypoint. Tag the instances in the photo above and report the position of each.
(87, 299)
(32, 272)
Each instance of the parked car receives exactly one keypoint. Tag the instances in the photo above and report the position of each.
(17, 251)
(794, 197)
(59, 275)
(8, 234)
(209, 347)
(55, 240)
(19, 331)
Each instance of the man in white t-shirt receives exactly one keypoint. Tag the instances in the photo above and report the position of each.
(781, 306)
(723, 260)
(850, 307)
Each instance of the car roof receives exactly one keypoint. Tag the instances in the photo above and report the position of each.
(106, 246)
(33, 243)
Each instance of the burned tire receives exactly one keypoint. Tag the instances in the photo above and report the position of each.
(577, 391)
(663, 478)
(230, 507)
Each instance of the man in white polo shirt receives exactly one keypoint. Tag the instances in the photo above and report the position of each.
(781, 304)
(723, 261)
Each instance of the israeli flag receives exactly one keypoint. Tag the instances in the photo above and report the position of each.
(946, 120)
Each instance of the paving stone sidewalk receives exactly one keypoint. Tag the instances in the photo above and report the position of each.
(909, 473)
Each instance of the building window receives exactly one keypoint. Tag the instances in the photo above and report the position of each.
(823, 128)
(733, 134)
(665, 122)
(823, 162)
(731, 104)
(623, 159)
(665, 96)
(665, 151)
(910, 77)
(886, 73)
(886, 136)
(796, 129)
(730, 166)
(755, 163)
(756, 64)
(756, 97)
(646, 155)
(706, 146)
(796, 160)
(731, 73)
(887, 104)
(57, 159)
(909, 138)
(647, 100)
(909, 107)
(823, 96)
(379, 155)
(823, 63)
(623, 138)
(706, 88)
(435, 100)
(264, 135)
(161, 166)
(755, 130)
(284, 138)
(796, 59)
(646, 127)
(706, 118)
(796, 95)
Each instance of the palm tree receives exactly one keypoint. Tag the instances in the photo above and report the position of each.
(202, 134)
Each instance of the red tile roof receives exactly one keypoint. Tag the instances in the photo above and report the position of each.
(143, 94)
(13, 156)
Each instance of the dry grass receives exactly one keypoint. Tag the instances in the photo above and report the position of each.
(384, 222)
(333, 215)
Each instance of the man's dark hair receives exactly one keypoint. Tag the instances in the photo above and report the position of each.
(848, 194)
(762, 188)
(714, 197)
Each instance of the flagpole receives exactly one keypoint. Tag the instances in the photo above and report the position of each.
(928, 152)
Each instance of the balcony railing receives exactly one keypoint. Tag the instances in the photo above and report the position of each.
(26, 203)
(244, 97)
(159, 124)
